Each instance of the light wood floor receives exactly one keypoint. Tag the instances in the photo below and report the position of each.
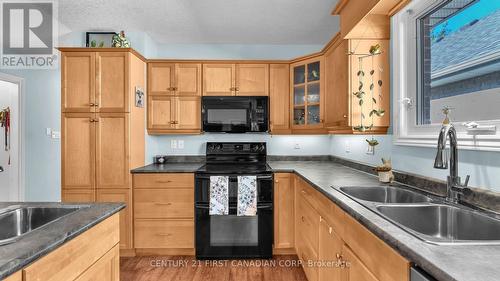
(179, 268)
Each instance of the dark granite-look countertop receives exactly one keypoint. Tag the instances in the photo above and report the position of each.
(174, 167)
(444, 262)
(42, 241)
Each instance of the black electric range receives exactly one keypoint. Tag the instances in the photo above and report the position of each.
(231, 236)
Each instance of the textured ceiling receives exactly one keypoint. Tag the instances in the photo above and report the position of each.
(208, 21)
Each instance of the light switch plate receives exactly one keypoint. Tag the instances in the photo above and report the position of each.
(180, 144)
(296, 146)
(55, 135)
(347, 146)
(173, 144)
(48, 131)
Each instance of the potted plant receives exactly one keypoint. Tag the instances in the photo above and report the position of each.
(384, 171)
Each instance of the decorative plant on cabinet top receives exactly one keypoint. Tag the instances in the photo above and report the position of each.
(375, 90)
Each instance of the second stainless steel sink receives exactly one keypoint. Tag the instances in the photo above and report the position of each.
(443, 224)
(17, 221)
(385, 194)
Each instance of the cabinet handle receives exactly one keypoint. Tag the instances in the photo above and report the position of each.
(302, 218)
(163, 204)
(96, 104)
(170, 88)
(345, 115)
(231, 89)
(175, 88)
(164, 234)
(160, 181)
(236, 89)
(92, 104)
(94, 120)
(276, 181)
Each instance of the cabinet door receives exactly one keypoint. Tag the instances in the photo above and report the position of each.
(78, 195)
(120, 195)
(283, 211)
(355, 270)
(160, 113)
(330, 245)
(337, 91)
(218, 79)
(107, 268)
(78, 151)
(188, 79)
(78, 82)
(112, 150)
(188, 113)
(279, 95)
(112, 82)
(161, 78)
(252, 79)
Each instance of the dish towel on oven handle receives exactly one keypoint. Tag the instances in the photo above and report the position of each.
(247, 196)
(219, 195)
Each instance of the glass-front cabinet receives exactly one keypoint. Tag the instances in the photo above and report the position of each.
(307, 94)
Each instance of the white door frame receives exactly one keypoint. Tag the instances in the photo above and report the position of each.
(20, 84)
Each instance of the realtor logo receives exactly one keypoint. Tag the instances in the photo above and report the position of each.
(28, 34)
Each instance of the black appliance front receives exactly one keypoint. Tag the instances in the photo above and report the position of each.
(235, 114)
(231, 236)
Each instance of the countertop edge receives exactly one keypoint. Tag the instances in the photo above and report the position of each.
(8, 269)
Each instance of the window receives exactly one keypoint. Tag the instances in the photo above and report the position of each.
(447, 56)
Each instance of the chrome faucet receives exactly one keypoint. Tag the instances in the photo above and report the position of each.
(455, 188)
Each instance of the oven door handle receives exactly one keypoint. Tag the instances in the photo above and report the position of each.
(266, 177)
(259, 206)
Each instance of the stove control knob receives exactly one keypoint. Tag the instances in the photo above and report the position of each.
(262, 147)
(218, 147)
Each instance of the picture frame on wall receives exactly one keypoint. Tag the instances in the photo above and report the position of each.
(99, 39)
(139, 97)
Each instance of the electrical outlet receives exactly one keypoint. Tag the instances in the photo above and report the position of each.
(180, 144)
(173, 144)
(48, 131)
(347, 146)
(55, 135)
(296, 146)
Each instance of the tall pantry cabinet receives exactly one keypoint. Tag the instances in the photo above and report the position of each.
(102, 130)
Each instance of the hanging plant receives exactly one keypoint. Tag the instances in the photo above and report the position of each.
(372, 142)
(361, 93)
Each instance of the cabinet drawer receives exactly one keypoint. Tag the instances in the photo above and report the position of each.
(163, 203)
(369, 248)
(307, 255)
(164, 234)
(178, 180)
(331, 213)
(76, 256)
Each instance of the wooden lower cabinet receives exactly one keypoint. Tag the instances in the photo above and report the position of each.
(324, 233)
(78, 195)
(284, 209)
(93, 255)
(330, 249)
(120, 195)
(164, 213)
(18, 276)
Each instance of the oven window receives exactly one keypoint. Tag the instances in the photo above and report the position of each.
(227, 116)
(234, 231)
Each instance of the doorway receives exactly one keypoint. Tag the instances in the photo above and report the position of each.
(10, 139)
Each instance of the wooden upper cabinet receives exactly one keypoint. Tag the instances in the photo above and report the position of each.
(188, 79)
(78, 81)
(279, 96)
(112, 153)
(187, 113)
(112, 81)
(218, 79)
(160, 113)
(284, 202)
(252, 80)
(337, 86)
(307, 98)
(161, 78)
(78, 151)
(182, 79)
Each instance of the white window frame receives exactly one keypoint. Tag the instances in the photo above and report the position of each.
(404, 55)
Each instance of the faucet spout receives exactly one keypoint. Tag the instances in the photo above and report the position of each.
(454, 185)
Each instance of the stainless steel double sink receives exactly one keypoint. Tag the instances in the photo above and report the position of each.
(17, 221)
(428, 218)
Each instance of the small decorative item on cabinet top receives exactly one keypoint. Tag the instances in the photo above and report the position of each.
(99, 39)
(120, 41)
(385, 174)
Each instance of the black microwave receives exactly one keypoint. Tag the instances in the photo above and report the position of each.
(235, 114)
